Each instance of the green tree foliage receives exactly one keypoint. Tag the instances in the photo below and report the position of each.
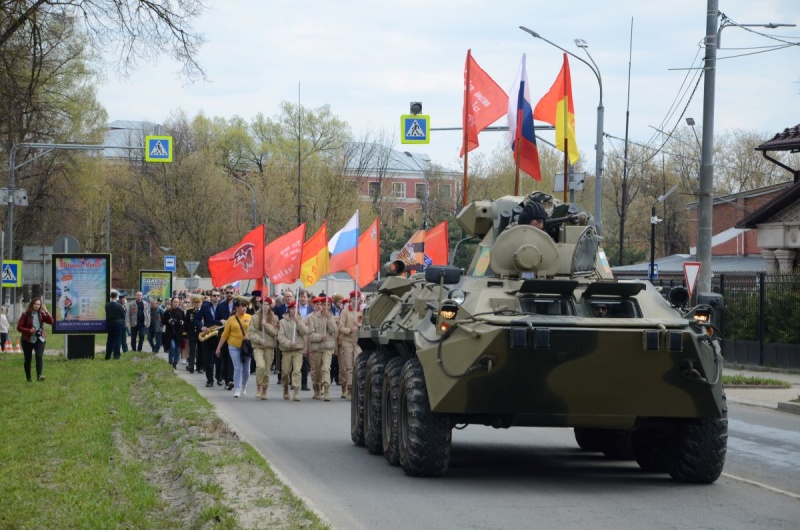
(48, 93)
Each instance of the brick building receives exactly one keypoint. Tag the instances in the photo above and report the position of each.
(403, 183)
(728, 211)
(777, 222)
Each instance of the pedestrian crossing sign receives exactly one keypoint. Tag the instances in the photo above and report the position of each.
(12, 273)
(415, 129)
(158, 148)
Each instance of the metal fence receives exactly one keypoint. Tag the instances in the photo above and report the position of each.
(761, 319)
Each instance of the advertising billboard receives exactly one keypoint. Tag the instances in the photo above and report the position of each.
(155, 284)
(82, 286)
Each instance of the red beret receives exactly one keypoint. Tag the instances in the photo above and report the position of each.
(292, 304)
(318, 300)
(268, 300)
(330, 300)
(355, 293)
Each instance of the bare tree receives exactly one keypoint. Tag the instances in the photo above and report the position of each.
(132, 27)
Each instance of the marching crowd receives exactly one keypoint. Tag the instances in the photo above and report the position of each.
(227, 337)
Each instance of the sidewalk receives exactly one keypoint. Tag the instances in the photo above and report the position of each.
(771, 398)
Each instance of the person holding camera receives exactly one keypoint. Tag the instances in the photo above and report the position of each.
(172, 322)
(31, 325)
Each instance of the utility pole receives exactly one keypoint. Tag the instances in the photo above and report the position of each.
(706, 181)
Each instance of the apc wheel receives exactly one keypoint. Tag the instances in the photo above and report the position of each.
(357, 399)
(390, 399)
(373, 388)
(616, 445)
(424, 436)
(653, 450)
(701, 445)
(589, 439)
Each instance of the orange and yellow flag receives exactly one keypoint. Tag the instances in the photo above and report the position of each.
(314, 260)
(556, 108)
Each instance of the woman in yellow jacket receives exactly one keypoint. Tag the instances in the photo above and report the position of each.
(234, 333)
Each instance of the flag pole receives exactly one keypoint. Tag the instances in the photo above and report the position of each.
(518, 136)
(466, 134)
(358, 235)
(566, 140)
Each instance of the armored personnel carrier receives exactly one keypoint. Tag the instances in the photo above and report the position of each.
(538, 333)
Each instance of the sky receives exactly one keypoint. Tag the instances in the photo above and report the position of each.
(369, 59)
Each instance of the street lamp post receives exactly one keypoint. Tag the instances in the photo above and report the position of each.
(598, 149)
(690, 123)
(598, 170)
(706, 184)
(654, 220)
(253, 191)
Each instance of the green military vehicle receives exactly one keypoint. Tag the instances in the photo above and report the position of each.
(538, 333)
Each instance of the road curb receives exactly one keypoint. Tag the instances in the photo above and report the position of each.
(788, 406)
(753, 403)
(759, 387)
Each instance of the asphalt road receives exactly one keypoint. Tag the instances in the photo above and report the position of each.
(517, 478)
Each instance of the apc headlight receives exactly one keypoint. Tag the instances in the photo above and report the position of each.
(457, 295)
(449, 309)
(702, 315)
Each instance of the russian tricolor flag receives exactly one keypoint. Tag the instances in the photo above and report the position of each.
(520, 124)
(343, 246)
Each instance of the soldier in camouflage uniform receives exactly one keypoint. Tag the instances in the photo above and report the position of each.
(349, 324)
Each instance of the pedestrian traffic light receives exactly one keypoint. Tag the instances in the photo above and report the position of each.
(416, 107)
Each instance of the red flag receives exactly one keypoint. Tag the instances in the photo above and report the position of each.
(282, 256)
(436, 244)
(484, 102)
(243, 261)
(369, 255)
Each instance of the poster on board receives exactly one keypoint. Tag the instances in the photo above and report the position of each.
(82, 286)
(155, 284)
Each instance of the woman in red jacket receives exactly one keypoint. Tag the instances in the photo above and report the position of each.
(31, 325)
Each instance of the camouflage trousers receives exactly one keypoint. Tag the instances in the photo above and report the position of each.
(291, 364)
(321, 367)
(263, 358)
(347, 354)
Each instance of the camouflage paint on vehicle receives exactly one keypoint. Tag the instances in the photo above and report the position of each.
(530, 344)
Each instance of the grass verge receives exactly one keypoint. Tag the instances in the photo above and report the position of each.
(753, 381)
(128, 444)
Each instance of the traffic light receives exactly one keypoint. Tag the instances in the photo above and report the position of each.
(416, 107)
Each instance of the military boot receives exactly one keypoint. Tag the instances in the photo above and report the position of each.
(325, 395)
(344, 391)
(286, 391)
(317, 394)
(296, 394)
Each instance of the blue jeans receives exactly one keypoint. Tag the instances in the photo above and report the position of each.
(241, 369)
(154, 338)
(174, 353)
